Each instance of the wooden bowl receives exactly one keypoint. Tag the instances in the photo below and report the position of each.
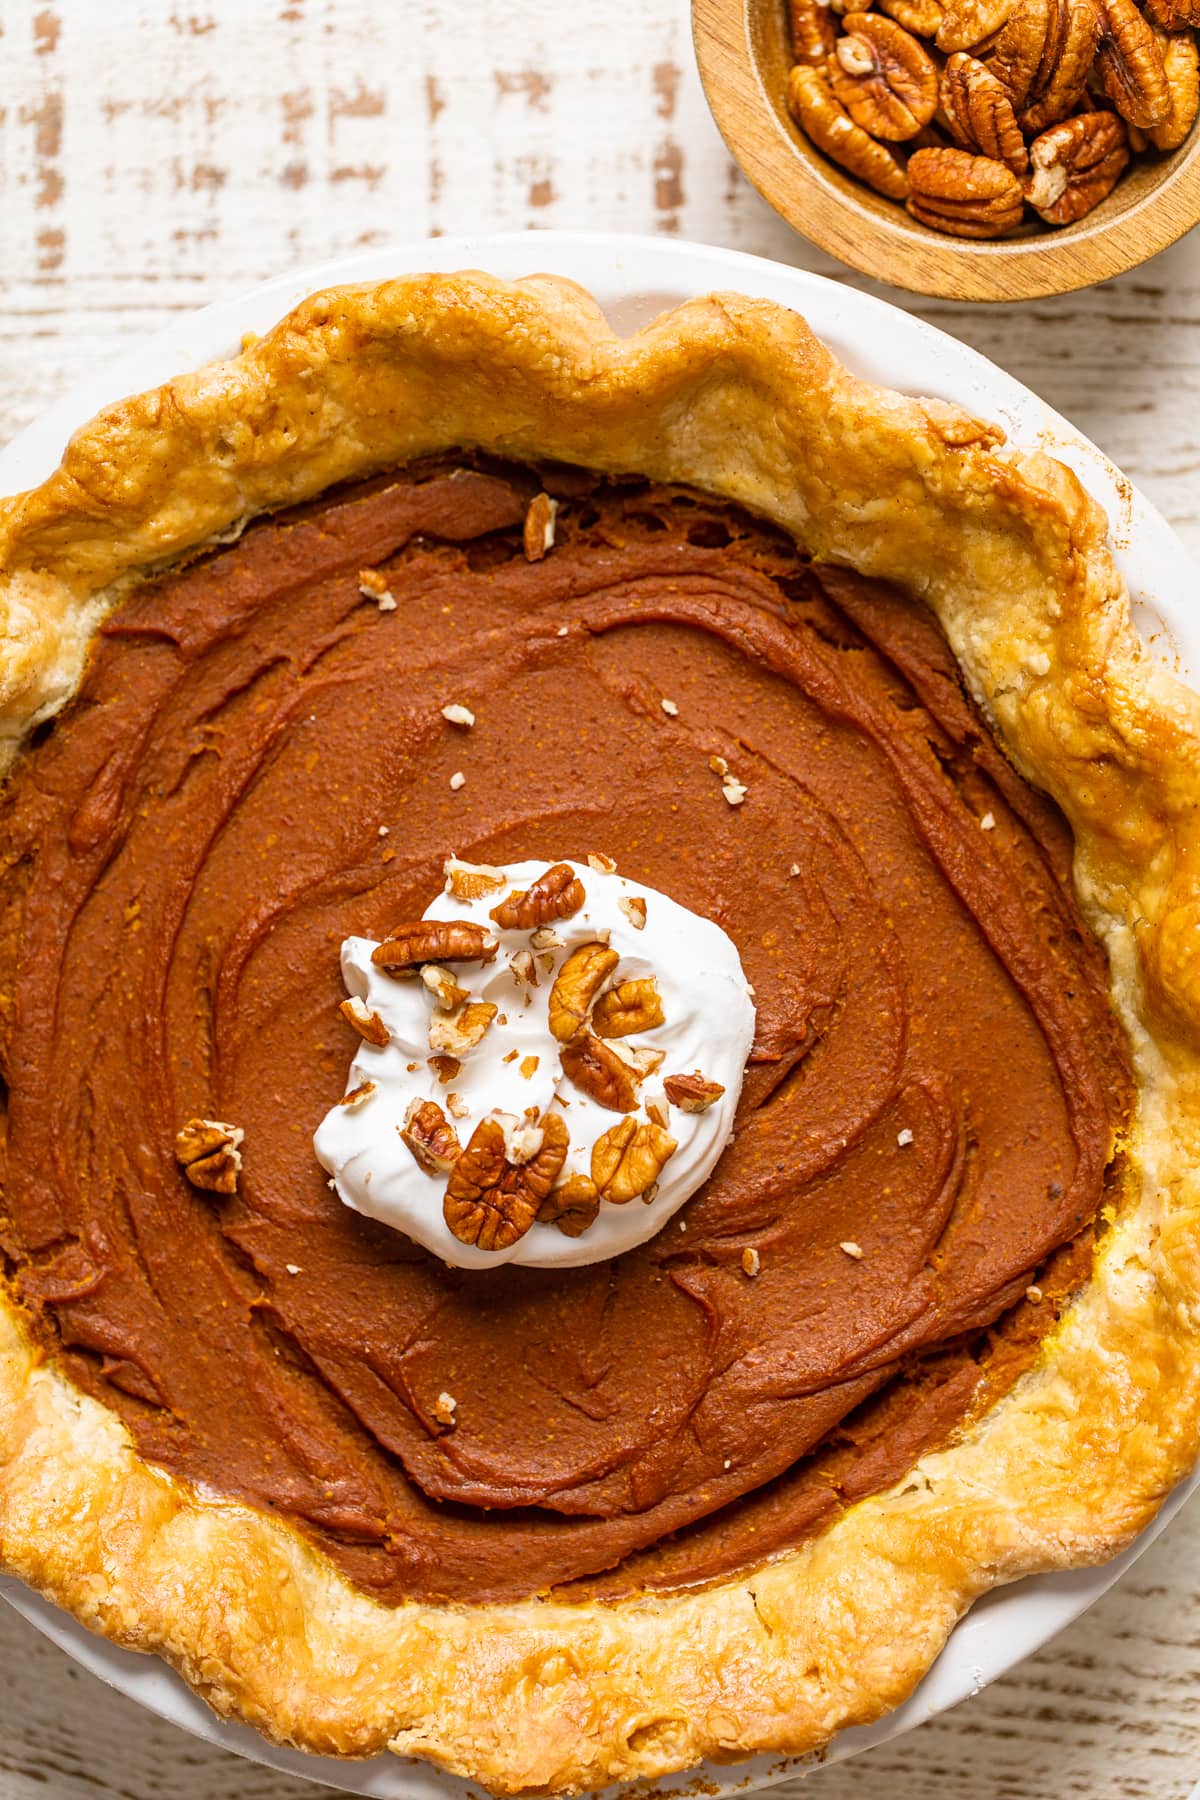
(742, 50)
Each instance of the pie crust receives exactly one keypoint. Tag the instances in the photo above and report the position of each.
(736, 397)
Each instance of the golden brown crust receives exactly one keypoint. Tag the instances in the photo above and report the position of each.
(737, 397)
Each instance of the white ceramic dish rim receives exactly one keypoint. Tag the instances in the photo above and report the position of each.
(635, 278)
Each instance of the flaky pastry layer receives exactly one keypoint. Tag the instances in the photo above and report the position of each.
(737, 397)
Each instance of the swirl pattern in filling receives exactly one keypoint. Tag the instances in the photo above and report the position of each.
(926, 1129)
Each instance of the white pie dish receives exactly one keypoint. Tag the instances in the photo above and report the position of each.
(634, 279)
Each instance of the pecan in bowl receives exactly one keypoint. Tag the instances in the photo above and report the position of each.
(989, 118)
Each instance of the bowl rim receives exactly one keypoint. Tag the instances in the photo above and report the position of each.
(635, 278)
(806, 193)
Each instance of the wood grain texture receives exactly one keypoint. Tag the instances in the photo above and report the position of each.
(159, 154)
(744, 58)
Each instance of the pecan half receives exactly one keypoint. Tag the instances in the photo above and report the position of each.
(491, 1202)
(970, 23)
(883, 76)
(471, 881)
(431, 1137)
(812, 30)
(1181, 60)
(599, 1072)
(980, 114)
(692, 1093)
(367, 1023)
(1074, 165)
(556, 894)
(968, 196)
(581, 978)
(1060, 79)
(455, 1033)
(629, 1158)
(208, 1152)
(1130, 65)
(825, 120)
(922, 16)
(1174, 15)
(634, 1005)
(1025, 53)
(433, 941)
(573, 1207)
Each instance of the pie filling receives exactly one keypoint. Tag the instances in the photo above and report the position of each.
(926, 1127)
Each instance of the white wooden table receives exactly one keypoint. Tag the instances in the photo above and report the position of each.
(158, 154)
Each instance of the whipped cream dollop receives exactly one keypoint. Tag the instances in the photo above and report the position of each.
(514, 1072)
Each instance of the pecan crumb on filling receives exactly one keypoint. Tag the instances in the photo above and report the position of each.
(924, 1138)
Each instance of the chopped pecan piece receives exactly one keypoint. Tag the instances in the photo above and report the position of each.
(980, 114)
(692, 1093)
(455, 1033)
(812, 30)
(1074, 165)
(431, 1137)
(643, 1062)
(582, 977)
(634, 1005)
(969, 23)
(433, 941)
(471, 881)
(208, 1152)
(603, 865)
(968, 196)
(358, 1096)
(824, 119)
(924, 17)
(1130, 65)
(538, 533)
(597, 1071)
(365, 1021)
(491, 1202)
(443, 986)
(372, 585)
(735, 791)
(556, 894)
(523, 969)
(573, 1207)
(629, 1158)
(1181, 60)
(634, 908)
(883, 76)
(524, 1137)
(445, 1067)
